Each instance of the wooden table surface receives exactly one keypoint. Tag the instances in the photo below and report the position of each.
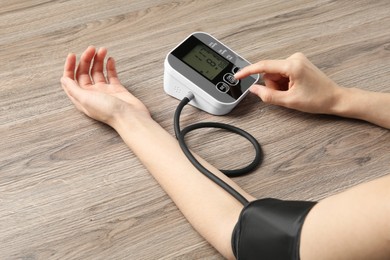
(69, 186)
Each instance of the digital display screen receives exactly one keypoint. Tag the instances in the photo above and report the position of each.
(205, 61)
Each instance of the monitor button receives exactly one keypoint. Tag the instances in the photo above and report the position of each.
(223, 87)
(235, 69)
(230, 79)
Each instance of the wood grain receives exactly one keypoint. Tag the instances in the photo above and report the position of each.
(69, 187)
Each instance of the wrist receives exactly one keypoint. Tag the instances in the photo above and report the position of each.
(130, 122)
(364, 105)
(342, 102)
(352, 103)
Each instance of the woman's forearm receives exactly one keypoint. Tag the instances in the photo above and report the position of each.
(210, 210)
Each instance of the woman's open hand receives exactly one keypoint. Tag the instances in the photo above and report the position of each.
(98, 96)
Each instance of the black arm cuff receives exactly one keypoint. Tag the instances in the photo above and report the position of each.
(269, 229)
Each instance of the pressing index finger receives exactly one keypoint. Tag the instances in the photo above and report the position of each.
(264, 66)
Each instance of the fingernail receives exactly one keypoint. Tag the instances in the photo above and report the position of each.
(111, 59)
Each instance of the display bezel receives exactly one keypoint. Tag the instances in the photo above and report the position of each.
(235, 92)
(189, 45)
(205, 61)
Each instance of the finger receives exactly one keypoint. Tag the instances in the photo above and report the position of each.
(273, 76)
(265, 66)
(270, 83)
(70, 66)
(112, 76)
(275, 81)
(72, 89)
(97, 67)
(76, 103)
(269, 95)
(76, 94)
(83, 69)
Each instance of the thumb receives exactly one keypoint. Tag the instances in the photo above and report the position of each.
(73, 91)
(269, 95)
(71, 88)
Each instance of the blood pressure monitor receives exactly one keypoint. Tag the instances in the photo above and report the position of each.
(205, 67)
(200, 71)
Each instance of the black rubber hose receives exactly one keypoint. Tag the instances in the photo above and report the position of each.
(180, 135)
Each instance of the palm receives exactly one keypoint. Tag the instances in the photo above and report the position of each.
(115, 90)
(118, 91)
